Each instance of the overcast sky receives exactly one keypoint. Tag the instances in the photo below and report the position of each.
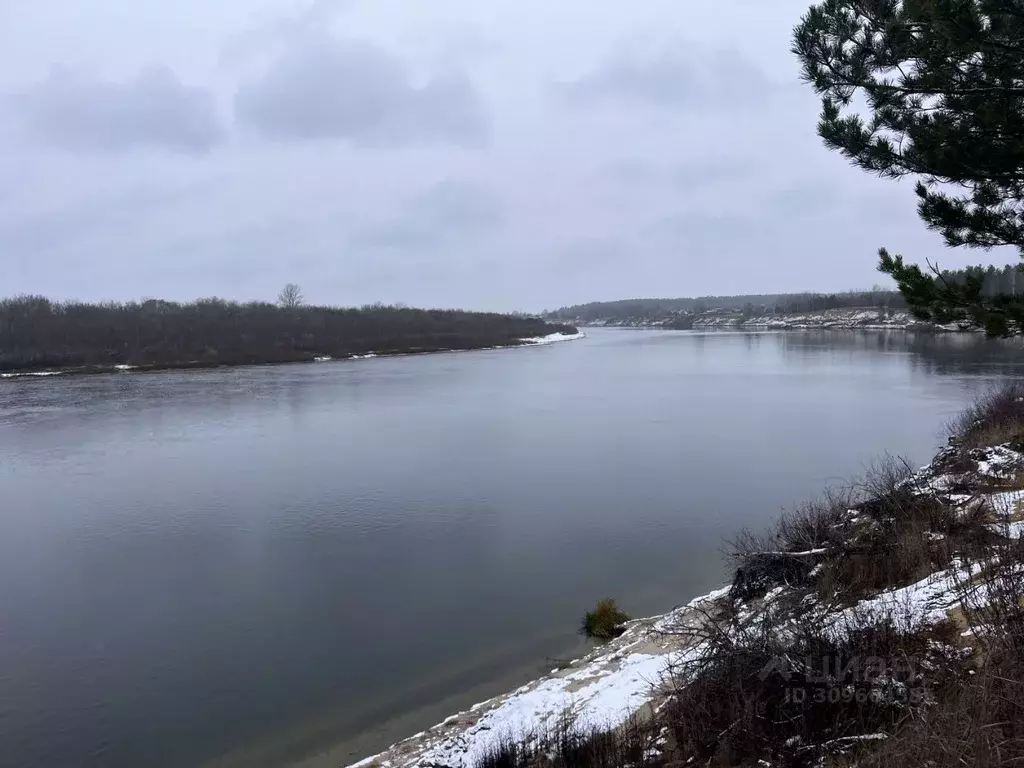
(507, 154)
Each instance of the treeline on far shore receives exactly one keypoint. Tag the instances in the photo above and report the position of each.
(751, 304)
(37, 333)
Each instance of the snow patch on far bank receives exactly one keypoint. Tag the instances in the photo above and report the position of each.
(551, 338)
(30, 373)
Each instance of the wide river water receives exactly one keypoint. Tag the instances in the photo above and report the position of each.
(269, 565)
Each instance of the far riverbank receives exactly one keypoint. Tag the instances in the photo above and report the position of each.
(42, 337)
(571, 334)
(850, 319)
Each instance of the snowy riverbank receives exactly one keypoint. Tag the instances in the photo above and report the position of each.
(866, 319)
(554, 338)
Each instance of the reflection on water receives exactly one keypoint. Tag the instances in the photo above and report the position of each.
(933, 353)
(278, 558)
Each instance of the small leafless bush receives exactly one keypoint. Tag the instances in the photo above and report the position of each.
(788, 554)
(818, 524)
(888, 493)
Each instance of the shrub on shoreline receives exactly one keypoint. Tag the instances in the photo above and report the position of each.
(606, 621)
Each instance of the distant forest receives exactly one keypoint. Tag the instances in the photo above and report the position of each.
(1008, 280)
(36, 333)
(751, 304)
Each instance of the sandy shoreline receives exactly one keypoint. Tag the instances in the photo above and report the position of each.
(350, 730)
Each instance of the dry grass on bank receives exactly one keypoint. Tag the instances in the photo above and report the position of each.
(878, 532)
(995, 418)
(800, 697)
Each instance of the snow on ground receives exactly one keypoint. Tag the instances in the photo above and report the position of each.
(367, 356)
(1000, 462)
(1008, 510)
(603, 697)
(551, 338)
(1007, 507)
(1013, 530)
(670, 620)
(912, 607)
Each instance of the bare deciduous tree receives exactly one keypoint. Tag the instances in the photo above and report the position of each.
(290, 296)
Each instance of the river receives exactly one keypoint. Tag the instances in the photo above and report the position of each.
(251, 566)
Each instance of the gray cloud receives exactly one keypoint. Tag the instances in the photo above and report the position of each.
(443, 214)
(325, 88)
(677, 77)
(152, 110)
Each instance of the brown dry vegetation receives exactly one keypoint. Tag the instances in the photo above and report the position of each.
(994, 419)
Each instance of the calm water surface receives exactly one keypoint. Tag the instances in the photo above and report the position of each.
(247, 567)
